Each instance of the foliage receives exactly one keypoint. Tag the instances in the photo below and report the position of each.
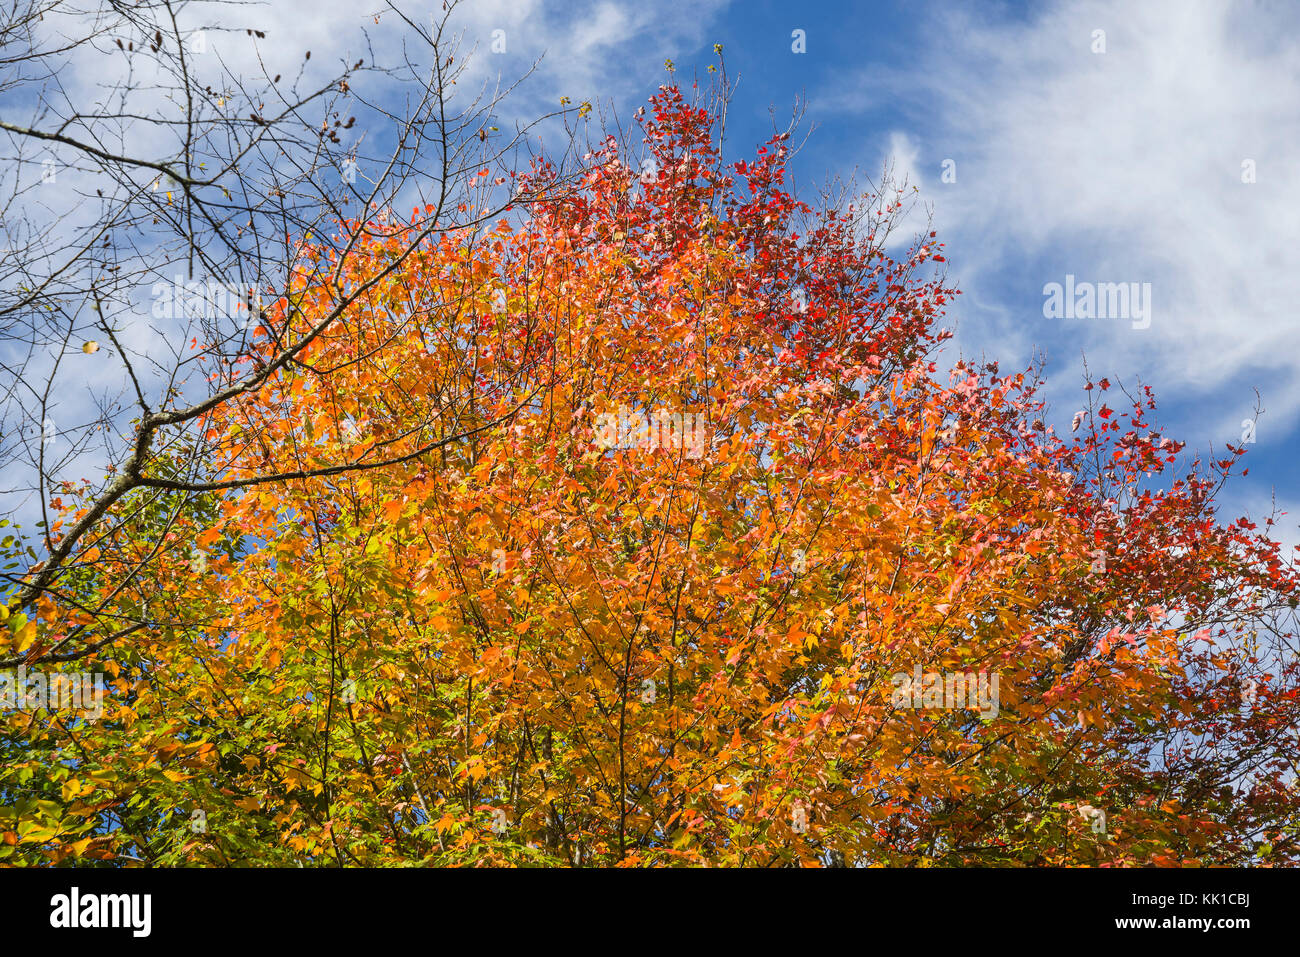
(528, 647)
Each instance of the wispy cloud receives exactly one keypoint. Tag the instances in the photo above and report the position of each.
(604, 51)
(1122, 165)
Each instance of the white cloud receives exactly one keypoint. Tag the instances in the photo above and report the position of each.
(1120, 166)
(596, 51)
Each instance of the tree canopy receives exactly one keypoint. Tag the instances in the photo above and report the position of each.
(630, 529)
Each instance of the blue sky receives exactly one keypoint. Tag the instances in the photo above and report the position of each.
(1119, 161)
(1115, 157)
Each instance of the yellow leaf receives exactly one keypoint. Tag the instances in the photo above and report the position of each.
(90, 346)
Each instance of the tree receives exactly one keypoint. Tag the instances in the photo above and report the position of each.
(741, 581)
(155, 220)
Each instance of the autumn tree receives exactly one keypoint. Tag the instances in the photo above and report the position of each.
(151, 222)
(687, 605)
